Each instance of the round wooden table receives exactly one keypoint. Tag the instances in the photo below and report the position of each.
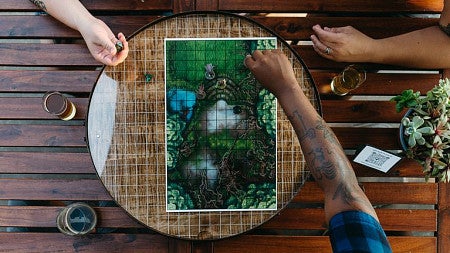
(127, 132)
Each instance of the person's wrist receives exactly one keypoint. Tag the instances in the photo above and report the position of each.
(84, 25)
(289, 89)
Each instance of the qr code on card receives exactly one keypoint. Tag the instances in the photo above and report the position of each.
(376, 158)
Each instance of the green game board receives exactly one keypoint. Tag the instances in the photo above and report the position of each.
(220, 127)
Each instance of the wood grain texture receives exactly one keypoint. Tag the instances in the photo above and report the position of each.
(313, 244)
(28, 80)
(45, 163)
(42, 135)
(332, 6)
(111, 5)
(53, 189)
(114, 242)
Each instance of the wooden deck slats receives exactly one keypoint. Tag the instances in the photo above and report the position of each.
(114, 243)
(131, 5)
(53, 189)
(352, 138)
(390, 219)
(28, 54)
(300, 28)
(42, 135)
(379, 193)
(360, 111)
(24, 80)
(313, 244)
(331, 6)
(45, 163)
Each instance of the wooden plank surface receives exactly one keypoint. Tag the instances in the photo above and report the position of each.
(312, 244)
(25, 5)
(379, 193)
(28, 80)
(390, 219)
(300, 28)
(53, 189)
(58, 242)
(42, 135)
(332, 6)
(45, 163)
(19, 54)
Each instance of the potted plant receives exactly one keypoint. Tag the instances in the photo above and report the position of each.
(425, 128)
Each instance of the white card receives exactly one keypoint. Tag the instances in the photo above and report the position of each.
(376, 159)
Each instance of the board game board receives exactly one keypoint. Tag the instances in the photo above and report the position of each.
(220, 127)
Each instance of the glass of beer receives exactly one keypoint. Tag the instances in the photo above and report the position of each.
(57, 104)
(77, 219)
(349, 79)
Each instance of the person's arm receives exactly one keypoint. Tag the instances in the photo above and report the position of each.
(323, 153)
(424, 48)
(97, 35)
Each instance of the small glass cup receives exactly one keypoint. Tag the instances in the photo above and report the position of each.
(349, 79)
(77, 219)
(57, 104)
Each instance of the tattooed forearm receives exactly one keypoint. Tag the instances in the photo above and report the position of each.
(327, 133)
(344, 193)
(445, 29)
(321, 165)
(39, 4)
(308, 133)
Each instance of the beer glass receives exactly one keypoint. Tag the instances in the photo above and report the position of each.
(57, 104)
(77, 219)
(349, 79)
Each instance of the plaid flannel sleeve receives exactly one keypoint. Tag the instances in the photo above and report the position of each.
(356, 231)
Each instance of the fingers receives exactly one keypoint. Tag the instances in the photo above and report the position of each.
(326, 35)
(321, 48)
(258, 55)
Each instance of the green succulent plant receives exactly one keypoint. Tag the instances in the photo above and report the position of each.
(427, 128)
(414, 130)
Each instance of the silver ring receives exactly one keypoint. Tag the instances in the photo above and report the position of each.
(328, 50)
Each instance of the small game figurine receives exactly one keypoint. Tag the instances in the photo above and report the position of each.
(221, 83)
(119, 46)
(201, 93)
(148, 77)
(209, 71)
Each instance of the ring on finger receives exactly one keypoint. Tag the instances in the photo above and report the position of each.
(327, 50)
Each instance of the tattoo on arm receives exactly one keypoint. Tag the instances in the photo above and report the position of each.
(309, 133)
(321, 165)
(344, 193)
(39, 4)
(327, 133)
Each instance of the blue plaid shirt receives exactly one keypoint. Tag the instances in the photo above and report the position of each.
(355, 231)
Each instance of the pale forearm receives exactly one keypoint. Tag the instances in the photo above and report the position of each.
(425, 48)
(77, 17)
